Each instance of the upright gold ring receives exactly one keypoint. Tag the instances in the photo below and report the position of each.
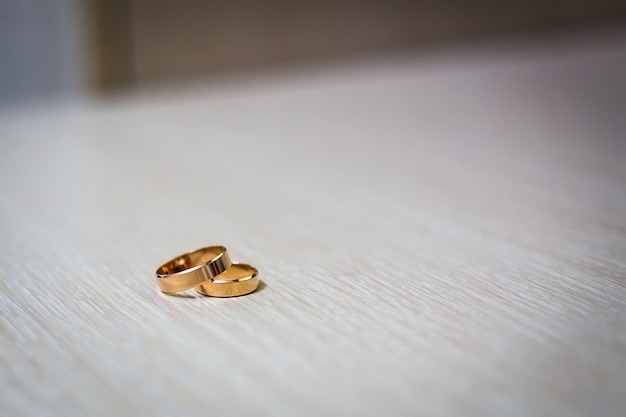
(239, 279)
(193, 268)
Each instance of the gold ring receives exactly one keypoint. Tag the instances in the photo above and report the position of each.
(239, 279)
(193, 268)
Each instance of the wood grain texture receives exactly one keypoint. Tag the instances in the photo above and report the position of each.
(442, 234)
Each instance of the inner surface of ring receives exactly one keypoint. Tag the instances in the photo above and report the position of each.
(189, 260)
(237, 272)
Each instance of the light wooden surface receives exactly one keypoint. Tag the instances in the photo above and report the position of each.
(437, 234)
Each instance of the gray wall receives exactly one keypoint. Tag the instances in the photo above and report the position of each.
(40, 50)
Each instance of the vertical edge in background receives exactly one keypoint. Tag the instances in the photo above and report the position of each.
(109, 46)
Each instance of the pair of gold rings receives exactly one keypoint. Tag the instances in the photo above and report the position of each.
(210, 271)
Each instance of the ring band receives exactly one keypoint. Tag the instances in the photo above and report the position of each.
(193, 268)
(239, 279)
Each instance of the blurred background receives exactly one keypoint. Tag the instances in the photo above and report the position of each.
(68, 48)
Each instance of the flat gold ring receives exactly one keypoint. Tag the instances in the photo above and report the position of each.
(193, 268)
(239, 279)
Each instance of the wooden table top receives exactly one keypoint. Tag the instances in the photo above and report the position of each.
(441, 233)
